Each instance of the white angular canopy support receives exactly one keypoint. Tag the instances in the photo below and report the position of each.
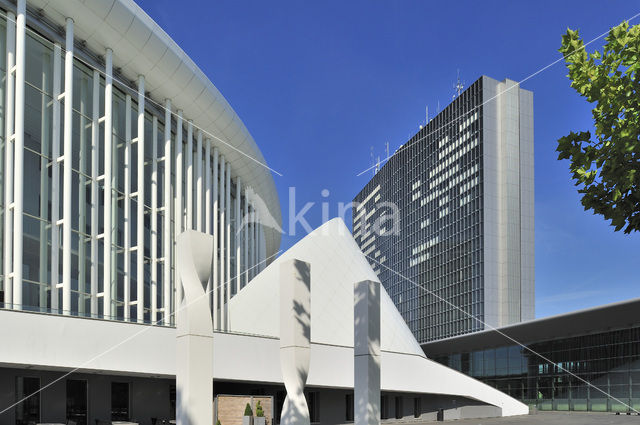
(366, 326)
(194, 336)
(295, 338)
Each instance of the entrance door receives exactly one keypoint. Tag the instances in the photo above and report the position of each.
(77, 401)
(120, 404)
(28, 408)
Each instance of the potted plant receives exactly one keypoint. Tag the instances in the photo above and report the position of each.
(260, 419)
(218, 422)
(248, 415)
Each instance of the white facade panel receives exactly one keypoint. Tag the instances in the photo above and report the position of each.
(106, 248)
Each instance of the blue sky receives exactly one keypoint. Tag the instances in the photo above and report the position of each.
(319, 83)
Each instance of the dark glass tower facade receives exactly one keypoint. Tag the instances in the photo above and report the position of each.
(447, 222)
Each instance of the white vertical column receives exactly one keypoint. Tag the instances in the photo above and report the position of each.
(259, 250)
(189, 197)
(207, 205)
(252, 246)
(238, 234)
(18, 172)
(108, 151)
(166, 223)
(295, 338)
(245, 231)
(227, 233)
(127, 209)
(55, 179)
(140, 210)
(223, 304)
(215, 278)
(261, 257)
(199, 183)
(113, 230)
(207, 187)
(256, 233)
(262, 254)
(8, 158)
(179, 214)
(67, 181)
(95, 193)
(154, 220)
(366, 314)
(194, 334)
(45, 144)
(256, 219)
(82, 198)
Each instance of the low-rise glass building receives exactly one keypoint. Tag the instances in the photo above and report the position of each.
(587, 360)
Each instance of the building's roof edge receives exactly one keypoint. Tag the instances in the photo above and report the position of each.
(618, 315)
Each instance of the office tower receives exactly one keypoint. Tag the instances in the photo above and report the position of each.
(448, 221)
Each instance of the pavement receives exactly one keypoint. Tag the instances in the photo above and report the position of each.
(556, 418)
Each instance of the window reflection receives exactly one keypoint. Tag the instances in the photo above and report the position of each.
(609, 361)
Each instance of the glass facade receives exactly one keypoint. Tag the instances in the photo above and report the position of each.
(609, 361)
(447, 221)
(145, 294)
(434, 184)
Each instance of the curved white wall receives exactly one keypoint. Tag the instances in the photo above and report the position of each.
(141, 47)
(144, 148)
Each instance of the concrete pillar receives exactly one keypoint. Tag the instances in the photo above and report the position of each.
(166, 219)
(127, 210)
(18, 152)
(238, 232)
(8, 157)
(55, 179)
(199, 183)
(178, 204)
(108, 184)
(189, 194)
(67, 172)
(140, 207)
(153, 299)
(194, 335)
(216, 232)
(295, 338)
(366, 315)
(95, 189)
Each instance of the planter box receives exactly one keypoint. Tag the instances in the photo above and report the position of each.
(246, 420)
(259, 420)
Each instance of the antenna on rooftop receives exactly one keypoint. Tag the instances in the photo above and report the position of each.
(458, 86)
(378, 165)
(427, 115)
(373, 163)
(386, 148)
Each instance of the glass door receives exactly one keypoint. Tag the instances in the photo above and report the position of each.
(28, 410)
(120, 401)
(77, 404)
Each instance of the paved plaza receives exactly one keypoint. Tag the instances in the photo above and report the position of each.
(557, 418)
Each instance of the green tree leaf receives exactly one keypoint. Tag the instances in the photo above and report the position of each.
(605, 165)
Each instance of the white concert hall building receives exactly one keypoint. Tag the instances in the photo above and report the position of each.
(112, 142)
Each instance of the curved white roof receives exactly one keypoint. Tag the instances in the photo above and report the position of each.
(141, 47)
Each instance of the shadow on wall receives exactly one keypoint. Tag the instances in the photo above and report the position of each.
(187, 417)
(295, 338)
